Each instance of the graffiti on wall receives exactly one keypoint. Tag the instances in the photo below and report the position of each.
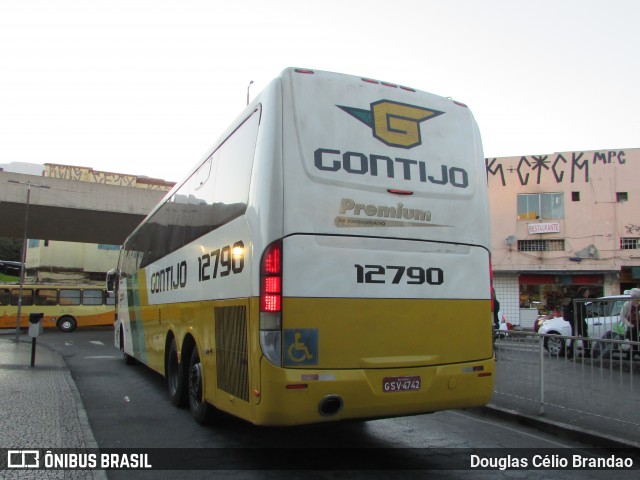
(85, 174)
(632, 229)
(573, 167)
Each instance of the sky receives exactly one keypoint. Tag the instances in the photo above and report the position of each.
(146, 87)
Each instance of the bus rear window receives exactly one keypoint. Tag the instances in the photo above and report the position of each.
(70, 297)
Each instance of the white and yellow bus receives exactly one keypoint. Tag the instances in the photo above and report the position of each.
(65, 307)
(327, 259)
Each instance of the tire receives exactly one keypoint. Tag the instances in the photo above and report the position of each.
(66, 324)
(555, 346)
(178, 393)
(198, 406)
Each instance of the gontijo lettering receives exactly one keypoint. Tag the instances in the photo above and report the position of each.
(169, 278)
(357, 163)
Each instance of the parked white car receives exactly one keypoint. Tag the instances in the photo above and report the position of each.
(603, 321)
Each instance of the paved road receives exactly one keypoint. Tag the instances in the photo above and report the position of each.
(128, 408)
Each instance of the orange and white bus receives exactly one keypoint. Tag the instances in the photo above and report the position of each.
(327, 259)
(63, 306)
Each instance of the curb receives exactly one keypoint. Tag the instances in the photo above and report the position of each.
(83, 418)
(564, 430)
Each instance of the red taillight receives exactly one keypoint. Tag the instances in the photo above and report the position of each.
(271, 262)
(395, 191)
(271, 303)
(272, 284)
(271, 279)
(305, 71)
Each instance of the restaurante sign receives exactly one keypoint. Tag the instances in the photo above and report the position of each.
(551, 227)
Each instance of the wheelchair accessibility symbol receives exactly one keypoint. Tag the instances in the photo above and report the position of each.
(301, 346)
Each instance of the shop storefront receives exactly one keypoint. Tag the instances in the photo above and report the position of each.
(629, 278)
(543, 294)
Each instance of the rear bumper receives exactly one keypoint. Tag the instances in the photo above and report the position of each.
(299, 396)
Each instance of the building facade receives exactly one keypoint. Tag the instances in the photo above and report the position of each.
(561, 221)
(70, 262)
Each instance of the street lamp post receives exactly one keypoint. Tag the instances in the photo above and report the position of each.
(24, 250)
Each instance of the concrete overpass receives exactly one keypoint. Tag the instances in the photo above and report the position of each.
(72, 211)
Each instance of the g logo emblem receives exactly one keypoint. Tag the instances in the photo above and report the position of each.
(394, 124)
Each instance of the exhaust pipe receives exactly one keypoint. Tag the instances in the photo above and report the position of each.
(330, 405)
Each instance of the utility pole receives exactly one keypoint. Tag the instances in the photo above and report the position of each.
(24, 249)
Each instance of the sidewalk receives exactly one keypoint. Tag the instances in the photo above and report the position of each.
(41, 407)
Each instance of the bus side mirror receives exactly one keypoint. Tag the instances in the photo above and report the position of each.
(111, 281)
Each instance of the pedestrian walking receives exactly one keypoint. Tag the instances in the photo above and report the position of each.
(630, 315)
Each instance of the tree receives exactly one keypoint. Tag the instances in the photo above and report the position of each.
(10, 249)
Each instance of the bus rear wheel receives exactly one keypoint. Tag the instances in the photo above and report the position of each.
(67, 324)
(198, 406)
(175, 377)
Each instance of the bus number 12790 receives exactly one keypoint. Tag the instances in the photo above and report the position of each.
(411, 275)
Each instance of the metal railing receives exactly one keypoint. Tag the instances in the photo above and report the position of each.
(602, 392)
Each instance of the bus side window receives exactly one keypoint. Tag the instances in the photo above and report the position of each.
(5, 296)
(70, 296)
(27, 297)
(46, 296)
(233, 172)
(92, 297)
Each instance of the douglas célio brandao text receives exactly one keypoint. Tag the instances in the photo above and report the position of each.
(567, 461)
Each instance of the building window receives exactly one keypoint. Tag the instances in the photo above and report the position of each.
(629, 243)
(575, 196)
(533, 206)
(622, 196)
(541, 245)
(106, 246)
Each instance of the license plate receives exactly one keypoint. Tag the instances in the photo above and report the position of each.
(400, 384)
